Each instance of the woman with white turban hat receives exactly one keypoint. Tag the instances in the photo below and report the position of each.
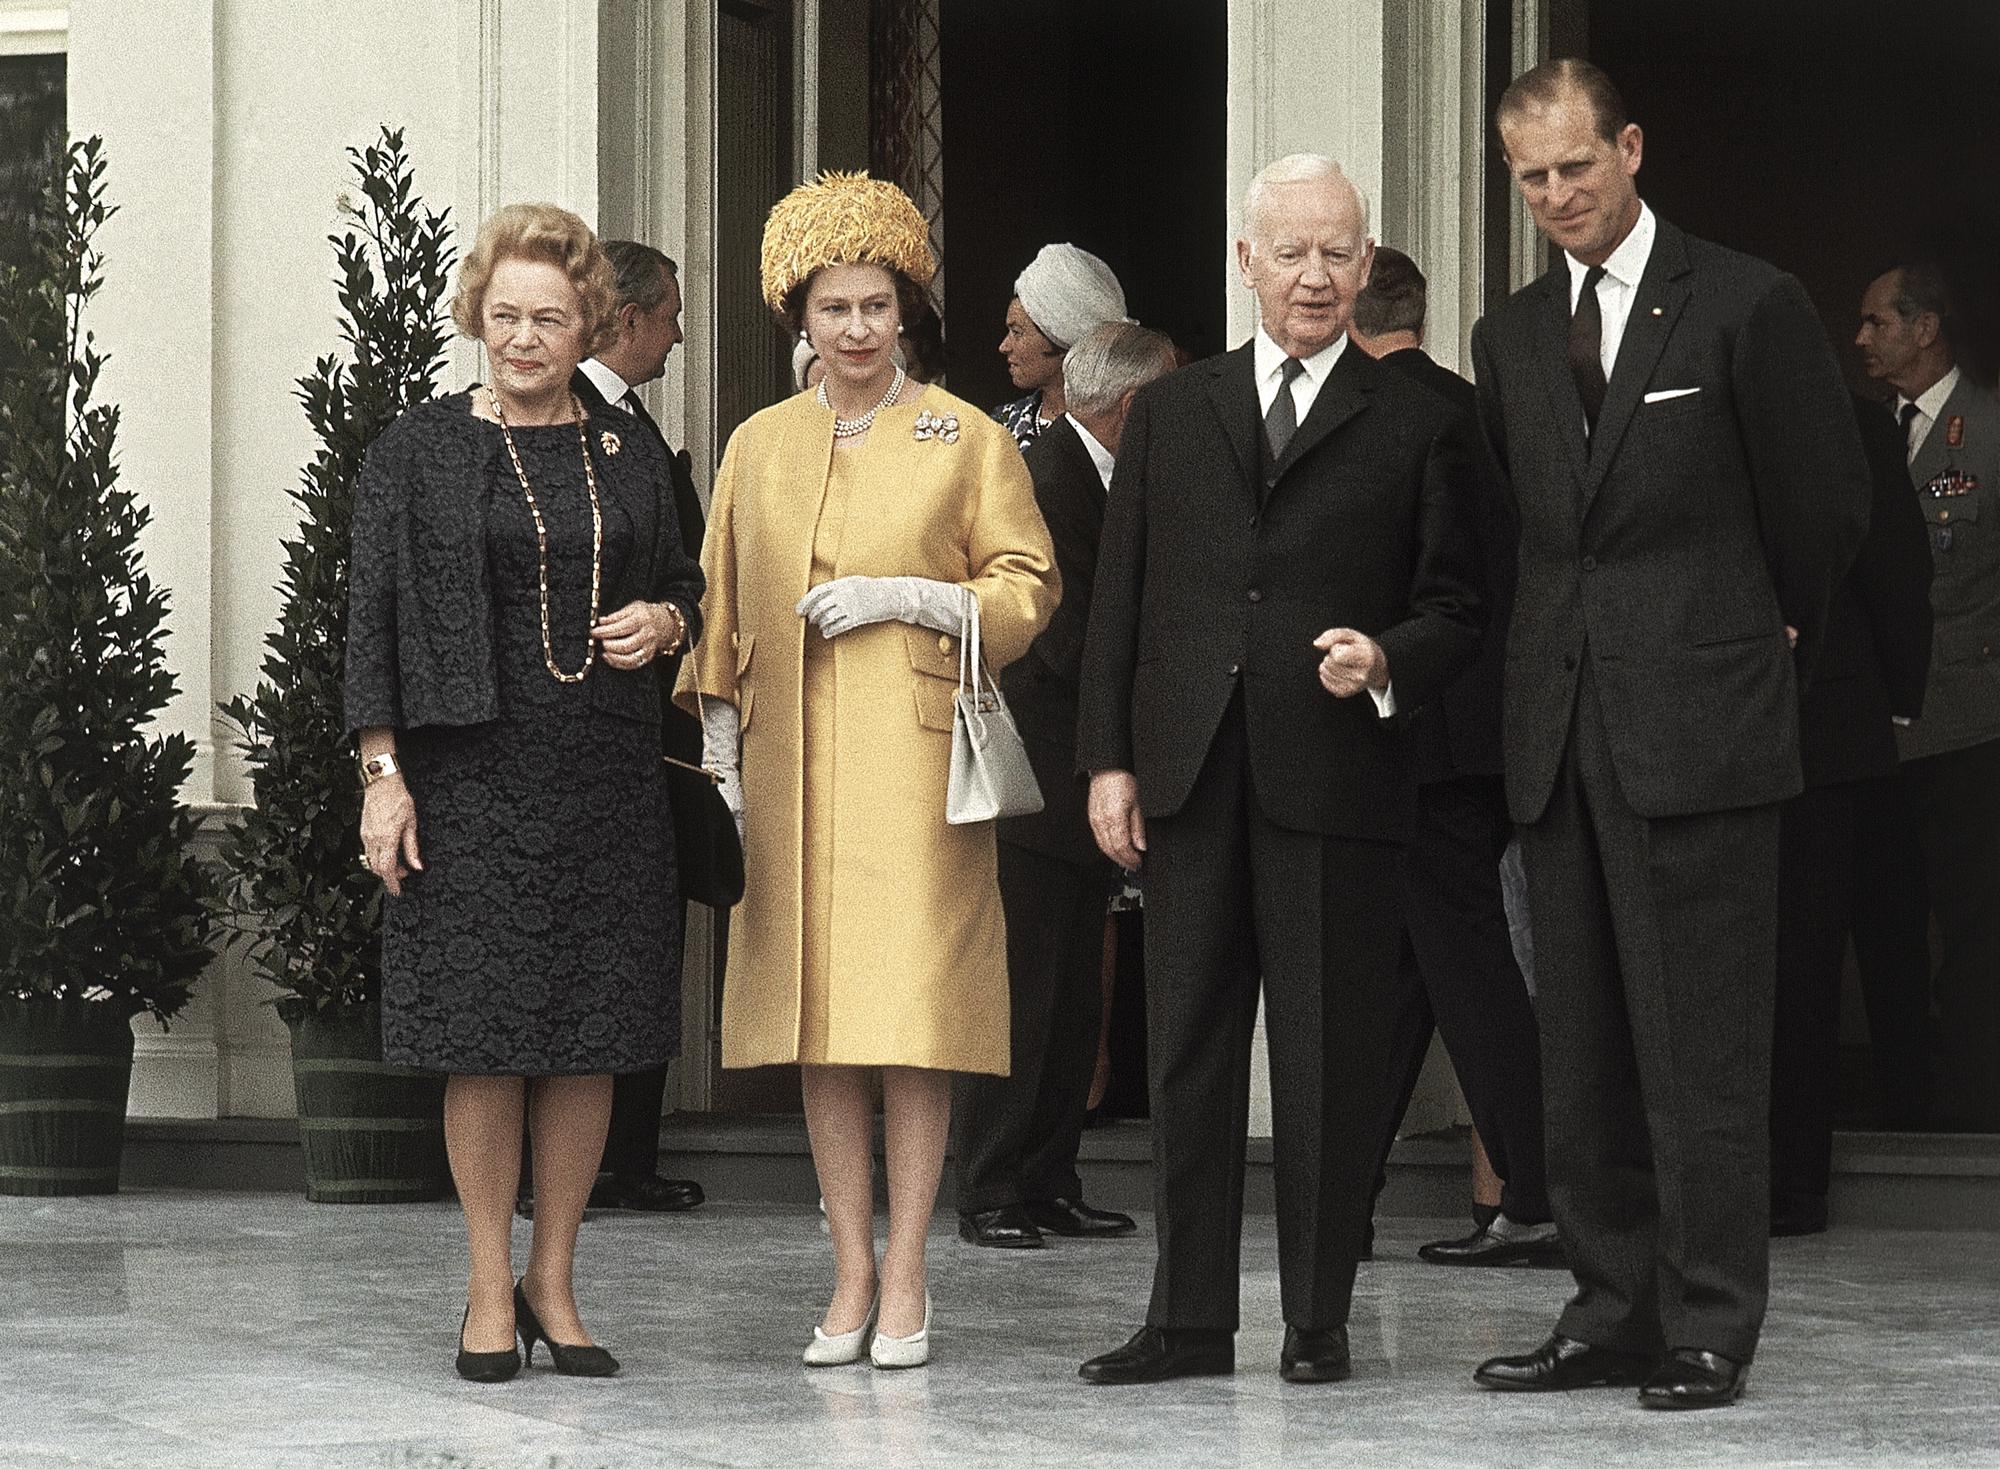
(1062, 294)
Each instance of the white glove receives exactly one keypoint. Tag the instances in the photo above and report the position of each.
(722, 752)
(855, 601)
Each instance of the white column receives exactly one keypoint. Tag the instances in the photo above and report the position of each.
(1311, 78)
(226, 127)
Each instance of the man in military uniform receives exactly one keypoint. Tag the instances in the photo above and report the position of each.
(1951, 757)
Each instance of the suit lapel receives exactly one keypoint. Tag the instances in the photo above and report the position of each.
(1341, 396)
(1656, 306)
(1232, 388)
(1551, 351)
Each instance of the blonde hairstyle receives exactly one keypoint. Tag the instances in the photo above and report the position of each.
(547, 233)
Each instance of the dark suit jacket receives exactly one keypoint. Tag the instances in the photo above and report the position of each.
(1671, 547)
(1214, 575)
(1878, 630)
(1041, 687)
(680, 732)
(1459, 733)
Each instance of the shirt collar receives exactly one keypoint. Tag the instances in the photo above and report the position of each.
(1270, 357)
(610, 384)
(1625, 265)
(1930, 402)
(1099, 455)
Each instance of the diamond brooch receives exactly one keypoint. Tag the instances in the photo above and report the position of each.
(942, 427)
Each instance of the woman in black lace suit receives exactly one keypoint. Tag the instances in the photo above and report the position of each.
(517, 568)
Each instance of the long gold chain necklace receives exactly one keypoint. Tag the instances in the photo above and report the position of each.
(542, 538)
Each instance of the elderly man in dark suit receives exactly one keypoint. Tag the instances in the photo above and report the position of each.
(648, 319)
(1690, 489)
(1951, 757)
(1460, 978)
(1015, 1137)
(1287, 562)
(1848, 856)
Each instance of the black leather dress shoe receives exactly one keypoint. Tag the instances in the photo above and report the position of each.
(1562, 1364)
(1691, 1378)
(1005, 1228)
(1503, 1242)
(1315, 1356)
(647, 1192)
(1074, 1219)
(1156, 1355)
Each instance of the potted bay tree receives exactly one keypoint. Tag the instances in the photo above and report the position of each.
(309, 912)
(106, 913)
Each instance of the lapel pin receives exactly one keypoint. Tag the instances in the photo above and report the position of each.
(1659, 311)
(611, 443)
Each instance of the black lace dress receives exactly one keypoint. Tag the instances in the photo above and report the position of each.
(542, 936)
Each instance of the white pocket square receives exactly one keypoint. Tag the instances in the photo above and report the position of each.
(1664, 395)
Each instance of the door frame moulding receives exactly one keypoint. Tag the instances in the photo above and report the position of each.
(33, 30)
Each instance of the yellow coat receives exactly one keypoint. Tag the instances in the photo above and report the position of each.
(867, 923)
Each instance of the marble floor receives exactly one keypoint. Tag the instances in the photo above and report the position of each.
(164, 1330)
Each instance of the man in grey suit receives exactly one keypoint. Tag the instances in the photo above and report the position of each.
(1669, 420)
(1951, 757)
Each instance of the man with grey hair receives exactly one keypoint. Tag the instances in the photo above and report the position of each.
(1015, 1137)
(1287, 532)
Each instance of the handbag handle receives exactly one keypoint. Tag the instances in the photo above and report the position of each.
(701, 708)
(970, 656)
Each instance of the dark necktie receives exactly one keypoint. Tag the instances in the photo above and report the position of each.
(1586, 345)
(1907, 416)
(1283, 419)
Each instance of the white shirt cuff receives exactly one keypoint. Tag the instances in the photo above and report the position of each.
(1385, 699)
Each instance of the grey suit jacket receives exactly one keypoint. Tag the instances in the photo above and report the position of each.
(1962, 700)
(1669, 549)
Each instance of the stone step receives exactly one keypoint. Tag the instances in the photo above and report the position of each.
(1889, 1180)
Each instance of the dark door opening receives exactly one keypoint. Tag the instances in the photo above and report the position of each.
(1102, 125)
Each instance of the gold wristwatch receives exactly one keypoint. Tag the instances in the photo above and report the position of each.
(375, 767)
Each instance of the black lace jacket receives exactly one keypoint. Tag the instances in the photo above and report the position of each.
(420, 642)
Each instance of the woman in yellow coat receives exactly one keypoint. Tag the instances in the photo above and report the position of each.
(849, 527)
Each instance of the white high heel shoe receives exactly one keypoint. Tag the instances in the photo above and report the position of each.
(904, 1351)
(848, 1346)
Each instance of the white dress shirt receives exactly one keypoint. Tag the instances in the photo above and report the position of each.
(1930, 408)
(614, 388)
(1099, 455)
(1269, 359)
(1624, 268)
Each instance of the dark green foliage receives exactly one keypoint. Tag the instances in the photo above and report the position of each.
(101, 894)
(311, 913)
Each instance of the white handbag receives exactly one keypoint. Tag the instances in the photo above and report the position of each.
(990, 774)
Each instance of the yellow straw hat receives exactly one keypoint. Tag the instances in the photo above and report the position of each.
(840, 219)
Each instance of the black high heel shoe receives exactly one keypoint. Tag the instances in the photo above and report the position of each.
(570, 1361)
(485, 1366)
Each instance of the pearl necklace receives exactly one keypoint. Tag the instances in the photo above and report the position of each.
(847, 428)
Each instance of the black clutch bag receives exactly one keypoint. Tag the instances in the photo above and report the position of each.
(707, 853)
